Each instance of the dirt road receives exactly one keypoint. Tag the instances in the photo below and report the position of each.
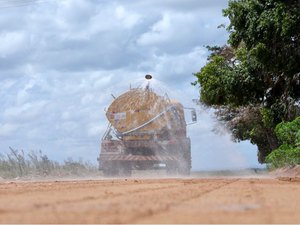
(174, 200)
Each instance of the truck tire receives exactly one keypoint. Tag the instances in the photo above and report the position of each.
(110, 169)
(178, 168)
(172, 168)
(186, 160)
(184, 169)
(125, 169)
(116, 168)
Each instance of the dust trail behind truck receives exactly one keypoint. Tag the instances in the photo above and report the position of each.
(146, 131)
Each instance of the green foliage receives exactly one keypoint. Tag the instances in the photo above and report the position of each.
(285, 155)
(256, 79)
(267, 117)
(213, 80)
(289, 132)
(226, 79)
(17, 164)
(288, 152)
(270, 32)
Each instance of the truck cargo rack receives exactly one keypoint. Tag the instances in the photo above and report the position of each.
(148, 122)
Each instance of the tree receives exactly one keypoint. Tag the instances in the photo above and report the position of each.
(270, 32)
(254, 82)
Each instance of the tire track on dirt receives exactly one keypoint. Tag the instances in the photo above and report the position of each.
(136, 205)
(135, 185)
(210, 200)
(234, 202)
(110, 198)
(110, 195)
(19, 188)
(261, 200)
(168, 206)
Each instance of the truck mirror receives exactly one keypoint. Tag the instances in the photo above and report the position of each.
(194, 115)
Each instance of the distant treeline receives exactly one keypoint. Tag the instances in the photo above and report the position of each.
(35, 164)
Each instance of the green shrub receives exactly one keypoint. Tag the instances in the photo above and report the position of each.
(288, 153)
(285, 155)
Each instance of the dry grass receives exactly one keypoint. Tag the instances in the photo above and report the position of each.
(17, 164)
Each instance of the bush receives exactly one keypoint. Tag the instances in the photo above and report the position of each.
(288, 153)
(285, 155)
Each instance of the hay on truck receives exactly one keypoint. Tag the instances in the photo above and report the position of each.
(146, 131)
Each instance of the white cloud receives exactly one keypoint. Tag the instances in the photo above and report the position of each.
(159, 32)
(27, 111)
(11, 42)
(7, 129)
(128, 19)
(95, 129)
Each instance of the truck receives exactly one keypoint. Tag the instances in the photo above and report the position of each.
(146, 131)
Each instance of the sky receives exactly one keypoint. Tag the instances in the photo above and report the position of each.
(60, 61)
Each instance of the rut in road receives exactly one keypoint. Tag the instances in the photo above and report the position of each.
(108, 202)
(242, 201)
(196, 191)
(174, 200)
(143, 202)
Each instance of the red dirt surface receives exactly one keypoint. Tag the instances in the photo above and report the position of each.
(174, 200)
(288, 173)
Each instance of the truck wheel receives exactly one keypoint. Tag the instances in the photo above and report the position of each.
(178, 168)
(110, 169)
(184, 170)
(185, 161)
(125, 169)
(172, 168)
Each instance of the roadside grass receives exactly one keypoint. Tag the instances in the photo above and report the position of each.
(35, 164)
